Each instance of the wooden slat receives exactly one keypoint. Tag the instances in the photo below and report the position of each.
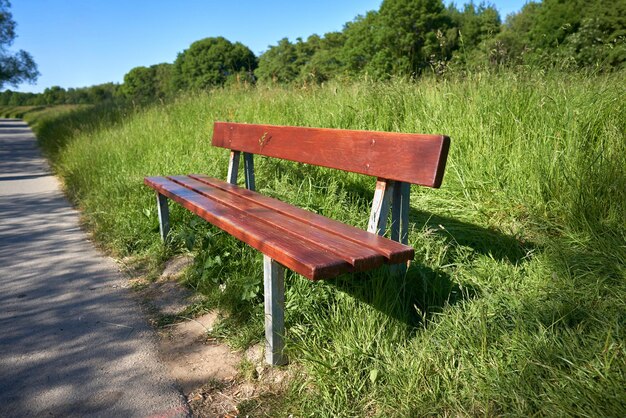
(361, 257)
(289, 250)
(394, 252)
(412, 158)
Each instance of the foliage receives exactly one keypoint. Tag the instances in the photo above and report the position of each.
(147, 84)
(410, 37)
(407, 38)
(280, 64)
(515, 302)
(56, 95)
(18, 67)
(212, 62)
(360, 46)
(576, 33)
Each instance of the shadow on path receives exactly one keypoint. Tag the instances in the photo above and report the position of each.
(72, 342)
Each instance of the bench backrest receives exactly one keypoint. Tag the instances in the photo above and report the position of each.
(412, 158)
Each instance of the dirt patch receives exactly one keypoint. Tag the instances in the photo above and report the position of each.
(217, 381)
(175, 267)
(194, 358)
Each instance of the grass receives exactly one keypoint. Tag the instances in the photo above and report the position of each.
(516, 302)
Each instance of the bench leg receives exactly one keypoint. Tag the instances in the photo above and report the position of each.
(400, 212)
(248, 169)
(380, 207)
(274, 285)
(400, 219)
(164, 216)
(233, 167)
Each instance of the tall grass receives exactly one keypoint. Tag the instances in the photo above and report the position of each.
(516, 302)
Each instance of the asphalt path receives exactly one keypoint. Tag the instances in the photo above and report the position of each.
(72, 340)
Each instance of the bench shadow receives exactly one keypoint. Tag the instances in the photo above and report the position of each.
(422, 291)
(485, 241)
(457, 233)
(410, 298)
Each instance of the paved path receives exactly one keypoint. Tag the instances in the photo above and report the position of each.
(72, 342)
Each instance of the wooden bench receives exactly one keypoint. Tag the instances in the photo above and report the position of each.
(307, 243)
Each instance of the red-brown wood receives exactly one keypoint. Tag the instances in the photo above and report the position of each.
(412, 158)
(361, 257)
(393, 251)
(301, 256)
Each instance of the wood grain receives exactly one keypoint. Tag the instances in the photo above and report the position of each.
(361, 257)
(392, 251)
(298, 255)
(412, 158)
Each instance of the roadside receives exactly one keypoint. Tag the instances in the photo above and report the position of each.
(81, 335)
(72, 341)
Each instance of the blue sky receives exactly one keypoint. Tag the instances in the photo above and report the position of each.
(79, 43)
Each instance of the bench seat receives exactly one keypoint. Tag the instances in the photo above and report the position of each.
(307, 243)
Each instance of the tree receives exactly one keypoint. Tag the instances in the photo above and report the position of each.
(18, 67)
(571, 33)
(476, 23)
(279, 64)
(360, 42)
(139, 85)
(411, 36)
(211, 62)
(163, 80)
(325, 61)
(54, 95)
(147, 84)
(476, 28)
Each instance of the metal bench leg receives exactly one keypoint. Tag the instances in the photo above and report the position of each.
(164, 215)
(248, 169)
(380, 207)
(233, 167)
(274, 284)
(400, 213)
(400, 219)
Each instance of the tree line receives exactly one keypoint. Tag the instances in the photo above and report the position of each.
(407, 38)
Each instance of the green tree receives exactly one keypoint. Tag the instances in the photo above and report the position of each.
(54, 95)
(163, 81)
(411, 36)
(476, 28)
(18, 67)
(279, 64)
(476, 23)
(102, 92)
(139, 85)
(325, 61)
(571, 33)
(360, 42)
(211, 62)
(147, 84)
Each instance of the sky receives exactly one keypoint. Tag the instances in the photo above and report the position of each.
(79, 43)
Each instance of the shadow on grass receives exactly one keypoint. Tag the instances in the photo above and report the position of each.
(55, 131)
(411, 298)
(423, 291)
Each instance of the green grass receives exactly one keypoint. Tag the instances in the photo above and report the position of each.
(516, 302)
